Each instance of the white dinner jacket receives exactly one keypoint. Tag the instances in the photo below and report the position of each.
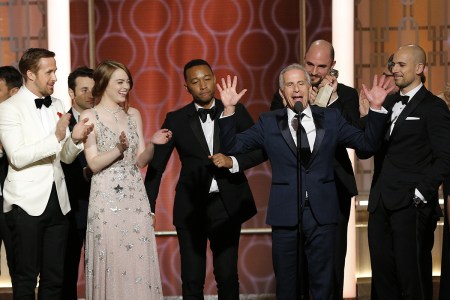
(34, 155)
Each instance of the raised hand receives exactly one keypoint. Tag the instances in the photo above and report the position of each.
(363, 104)
(377, 94)
(228, 94)
(160, 137)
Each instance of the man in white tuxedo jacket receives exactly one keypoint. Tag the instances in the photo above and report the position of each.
(34, 133)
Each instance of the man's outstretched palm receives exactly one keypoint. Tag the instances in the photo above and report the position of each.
(228, 93)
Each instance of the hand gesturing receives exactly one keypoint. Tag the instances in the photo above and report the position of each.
(162, 136)
(377, 94)
(229, 95)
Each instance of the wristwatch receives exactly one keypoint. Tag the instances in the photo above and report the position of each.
(417, 201)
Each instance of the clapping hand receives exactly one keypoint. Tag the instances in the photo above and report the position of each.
(377, 94)
(81, 131)
(123, 142)
(229, 95)
(61, 126)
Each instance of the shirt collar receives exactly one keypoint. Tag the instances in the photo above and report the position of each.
(307, 111)
(412, 92)
(30, 93)
(197, 107)
(75, 114)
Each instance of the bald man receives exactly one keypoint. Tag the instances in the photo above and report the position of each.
(409, 167)
(318, 61)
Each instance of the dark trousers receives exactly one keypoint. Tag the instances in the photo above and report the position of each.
(400, 244)
(76, 238)
(341, 242)
(319, 244)
(39, 245)
(5, 236)
(444, 283)
(223, 236)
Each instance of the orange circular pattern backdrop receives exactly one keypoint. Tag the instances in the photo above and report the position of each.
(155, 38)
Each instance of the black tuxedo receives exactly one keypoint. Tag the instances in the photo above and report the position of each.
(197, 214)
(348, 105)
(321, 213)
(78, 189)
(444, 283)
(416, 155)
(5, 233)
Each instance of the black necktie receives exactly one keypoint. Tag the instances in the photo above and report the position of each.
(203, 113)
(47, 101)
(305, 150)
(403, 99)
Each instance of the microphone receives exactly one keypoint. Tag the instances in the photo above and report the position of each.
(298, 107)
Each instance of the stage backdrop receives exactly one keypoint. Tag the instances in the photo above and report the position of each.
(155, 38)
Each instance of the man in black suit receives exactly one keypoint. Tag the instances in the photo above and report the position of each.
(10, 83)
(409, 167)
(302, 199)
(319, 60)
(78, 176)
(213, 197)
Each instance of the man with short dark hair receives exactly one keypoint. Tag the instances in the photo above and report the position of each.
(35, 136)
(10, 83)
(213, 197)
(78, 176)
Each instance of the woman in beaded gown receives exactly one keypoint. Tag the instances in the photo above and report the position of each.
(121, 256)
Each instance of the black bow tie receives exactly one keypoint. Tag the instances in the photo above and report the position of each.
(403, 99)
(47, 101)
(203, 113)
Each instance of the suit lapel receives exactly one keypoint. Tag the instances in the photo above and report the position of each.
(219, 110)
(410, 106)
(28, 106)
(320, 131)
(72, 122)
(282, 121)
(194, 123)
(81, 158)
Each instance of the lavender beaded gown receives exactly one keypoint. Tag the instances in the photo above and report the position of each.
(121, 257)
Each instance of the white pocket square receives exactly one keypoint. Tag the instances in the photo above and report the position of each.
(412, 118)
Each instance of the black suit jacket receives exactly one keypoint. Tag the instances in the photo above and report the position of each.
(197, 170)
(3, 170)
(272, 134)
(417, 154)
(348, 105)
(3, 173)
(77, 186)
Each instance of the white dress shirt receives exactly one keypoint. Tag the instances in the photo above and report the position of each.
(307, 123)
(208, 131)
(399, 106)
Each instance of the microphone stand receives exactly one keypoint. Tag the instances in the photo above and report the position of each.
(300, 268)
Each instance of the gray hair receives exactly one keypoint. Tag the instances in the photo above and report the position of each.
(292, 67)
